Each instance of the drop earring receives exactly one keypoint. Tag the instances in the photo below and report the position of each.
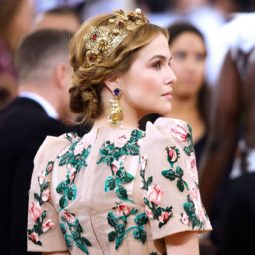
(116, 115)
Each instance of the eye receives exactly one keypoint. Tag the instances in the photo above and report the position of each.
(200, 57)
(157, 65)
(180, 55)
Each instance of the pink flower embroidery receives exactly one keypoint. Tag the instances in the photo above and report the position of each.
(172, 154)
(148, 212)
(69, 217)
(185, 219)
(35, 211)
(33, 237)
(115, 166)
(155, 194)
(143, 162)
(47, 225)
(121, 141)
(123, 209)
(42, 177)
(79, 147)
(194, 193)
(50, 167)
(46, 195)
(164, 217)
(181, 132)
(192, 167)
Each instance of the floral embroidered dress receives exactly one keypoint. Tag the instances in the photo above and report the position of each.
(115, 191)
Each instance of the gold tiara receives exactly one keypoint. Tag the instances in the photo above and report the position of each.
(100, 42)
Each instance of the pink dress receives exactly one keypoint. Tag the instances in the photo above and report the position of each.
(115, 191)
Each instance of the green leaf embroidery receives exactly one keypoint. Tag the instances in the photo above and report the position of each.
(109, 184)
(72, 232)
(169, 174)
(141, 219)
(140, 234)
(119, 223)
(177, 174)
(121, 193)
(37, 230)
(145, 184)
(110, 154)
(76, 161)
(111, 236)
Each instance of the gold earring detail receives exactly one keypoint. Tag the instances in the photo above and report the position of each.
(116, 112)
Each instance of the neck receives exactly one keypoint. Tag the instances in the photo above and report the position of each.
(43, 91)
(185, 109)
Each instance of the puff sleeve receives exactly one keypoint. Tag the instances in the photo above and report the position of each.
(169, 179)
(44, 233)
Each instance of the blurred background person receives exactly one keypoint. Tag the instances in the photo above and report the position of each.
(233, 120)
(92, 8)
(207, 15)
(43, 6)
(191, 99)
(66, 18)
(16, 18)
(42, 63)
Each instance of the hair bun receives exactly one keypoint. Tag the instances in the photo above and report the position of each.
(85, 100)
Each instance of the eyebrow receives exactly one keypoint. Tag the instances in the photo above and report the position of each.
(160, 57)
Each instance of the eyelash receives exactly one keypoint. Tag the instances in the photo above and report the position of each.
(157, 65)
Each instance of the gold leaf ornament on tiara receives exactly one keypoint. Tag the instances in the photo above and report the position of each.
(100, 42)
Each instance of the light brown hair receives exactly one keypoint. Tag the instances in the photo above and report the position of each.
(89, 81)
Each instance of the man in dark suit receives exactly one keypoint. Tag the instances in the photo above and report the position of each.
(45, 78)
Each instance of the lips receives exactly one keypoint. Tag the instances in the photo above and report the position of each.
(167, 94)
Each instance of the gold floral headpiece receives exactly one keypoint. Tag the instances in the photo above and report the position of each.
(103, 40)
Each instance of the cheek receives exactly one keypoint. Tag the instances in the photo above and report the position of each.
(148, 89)
(201, 71)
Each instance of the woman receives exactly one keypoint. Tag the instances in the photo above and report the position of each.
(191, 95)
(15, 21)
(118, 190)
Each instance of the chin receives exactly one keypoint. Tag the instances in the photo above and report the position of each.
(165, 111)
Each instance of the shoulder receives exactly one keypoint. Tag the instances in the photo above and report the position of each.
(168, 140)
(53, 145)
(169, 128)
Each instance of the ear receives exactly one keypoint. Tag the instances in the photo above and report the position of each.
(60, 75)
(112, 83)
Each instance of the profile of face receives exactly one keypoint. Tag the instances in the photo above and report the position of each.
(147, 85)
(189, 54)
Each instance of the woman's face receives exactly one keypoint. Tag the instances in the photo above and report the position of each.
(147, 86)
(189, 53)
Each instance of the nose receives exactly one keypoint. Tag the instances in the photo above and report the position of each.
(170, 77)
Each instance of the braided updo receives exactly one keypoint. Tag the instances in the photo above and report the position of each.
(86, 93)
